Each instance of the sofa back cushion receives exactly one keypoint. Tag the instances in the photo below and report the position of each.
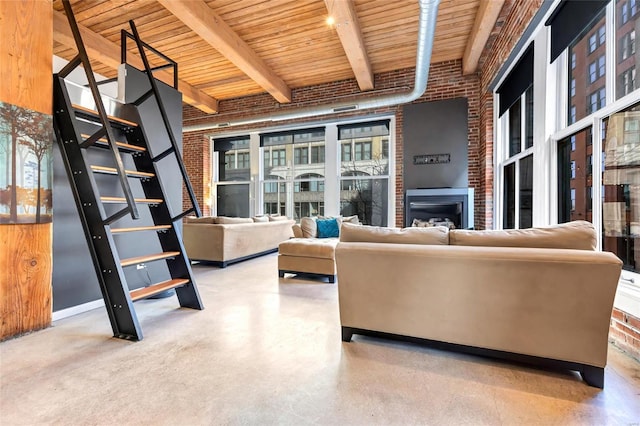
(203, 219)
(224, 220)
(309, 227)
(579, 235)
(258, 219)
(437, 235)
(277, 218)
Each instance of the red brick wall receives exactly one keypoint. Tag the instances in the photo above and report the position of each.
(625, 333)
(445, 82)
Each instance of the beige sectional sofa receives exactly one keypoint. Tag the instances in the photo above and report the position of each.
(541, 295)
(309, 254)
(226, 240)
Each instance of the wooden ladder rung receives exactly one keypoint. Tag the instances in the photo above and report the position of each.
(144, 292)
(110, 117)
(108, 200)
(148, 258)
(114, 171)
(123, 145)
(140, 228)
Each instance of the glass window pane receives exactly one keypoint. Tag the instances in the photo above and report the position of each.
(621, 181)
(366, 198)
(588, 71)
(575, 177)
(509, 196)
(528, 130)
(233, 200)
(627, 56)
(515, 129)
(234, 161)
(526, 192)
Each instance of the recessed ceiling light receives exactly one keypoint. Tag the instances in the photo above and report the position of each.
(330, 21)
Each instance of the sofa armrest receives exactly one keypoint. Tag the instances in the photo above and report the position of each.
(297, 231)
(203, 241)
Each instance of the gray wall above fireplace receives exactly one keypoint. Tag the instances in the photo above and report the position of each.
(430, 128)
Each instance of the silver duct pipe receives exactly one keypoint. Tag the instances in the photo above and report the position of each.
(426, 30)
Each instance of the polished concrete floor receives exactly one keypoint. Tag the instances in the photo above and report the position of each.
(268, 351)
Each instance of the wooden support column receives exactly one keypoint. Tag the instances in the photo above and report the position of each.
(26, 53)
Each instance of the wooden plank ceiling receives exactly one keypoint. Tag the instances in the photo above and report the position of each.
(232, 48)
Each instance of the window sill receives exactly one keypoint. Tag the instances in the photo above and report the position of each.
(628, 295)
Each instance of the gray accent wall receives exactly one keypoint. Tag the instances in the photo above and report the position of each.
(74, 277)
(433, 128)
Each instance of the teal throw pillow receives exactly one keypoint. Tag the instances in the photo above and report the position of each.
(328, 228)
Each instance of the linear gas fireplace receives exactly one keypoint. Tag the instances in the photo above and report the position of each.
(452, 207)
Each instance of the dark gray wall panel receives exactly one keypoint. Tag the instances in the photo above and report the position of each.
(438, 127)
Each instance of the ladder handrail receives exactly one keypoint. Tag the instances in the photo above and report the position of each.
(83, 58)
(165, 119)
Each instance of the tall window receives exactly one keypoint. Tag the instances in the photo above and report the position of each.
(364, 182)
(297, 167)
(231, 188)
(516, 164)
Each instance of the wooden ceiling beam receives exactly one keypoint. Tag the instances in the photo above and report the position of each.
(348, 28)
(488, 11)
(198, 16)
(108, 53)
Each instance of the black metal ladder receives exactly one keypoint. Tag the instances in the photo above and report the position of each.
(79, 130)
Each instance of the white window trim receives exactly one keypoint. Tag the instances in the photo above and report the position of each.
(550, 116)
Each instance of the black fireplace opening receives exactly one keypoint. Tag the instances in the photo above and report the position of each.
(450, 207)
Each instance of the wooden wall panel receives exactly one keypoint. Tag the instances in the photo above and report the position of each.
(25, 278)
(26, 31)
(26, 34)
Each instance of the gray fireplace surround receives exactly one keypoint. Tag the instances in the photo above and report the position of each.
(440, 204)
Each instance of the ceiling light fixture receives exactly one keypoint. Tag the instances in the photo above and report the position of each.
(330, 21)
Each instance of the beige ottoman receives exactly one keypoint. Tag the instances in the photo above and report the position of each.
(309, 256)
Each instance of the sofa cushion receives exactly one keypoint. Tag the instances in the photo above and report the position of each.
(328, 228)
(309, 227)
(260, 219)
(350, 219)
(224, 220)
(436, 235)
(306, 247)
(580, 235)
(204, 219)
(277, 218)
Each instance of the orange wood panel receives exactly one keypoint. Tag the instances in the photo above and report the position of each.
(26, 31)
(25, 278)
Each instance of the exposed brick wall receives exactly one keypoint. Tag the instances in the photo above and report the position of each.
(625, 333)
(445, 82)
(196, 156)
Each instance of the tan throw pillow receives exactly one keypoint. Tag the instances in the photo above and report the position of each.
(277, 218)
(350, 219)
(204, 219)
(436, 235)
(224, 220)
(309, 227)
(578, 235)
(260, 219)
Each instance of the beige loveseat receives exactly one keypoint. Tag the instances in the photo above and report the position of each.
(541, 295)
(226, 240)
